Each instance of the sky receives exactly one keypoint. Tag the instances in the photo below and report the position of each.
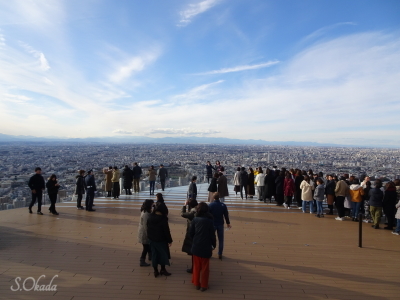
(284, 70)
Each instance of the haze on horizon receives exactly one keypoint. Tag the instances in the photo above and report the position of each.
(317, 71)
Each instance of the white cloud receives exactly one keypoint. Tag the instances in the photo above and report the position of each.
(183, 131)
(241, 68)
(43, 63)
(199, 92)
(133, 65)
(121, 131)
(16, 98)
(2, 41)
(324, 30)
(195, 9)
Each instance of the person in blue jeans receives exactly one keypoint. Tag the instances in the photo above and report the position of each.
(219, 212)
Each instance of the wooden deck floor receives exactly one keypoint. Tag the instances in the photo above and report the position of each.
(268, 255)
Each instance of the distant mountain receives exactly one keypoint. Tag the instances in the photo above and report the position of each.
(4, 138)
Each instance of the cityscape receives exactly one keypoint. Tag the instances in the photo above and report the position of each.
(18, 161)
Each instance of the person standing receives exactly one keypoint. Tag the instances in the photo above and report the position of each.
(52, 190)
(160, 199)
(152, 179)
(90, 184)
(307, 187)
(236, 181)
(192, 191)
(162, 174)
(219, 212)
(376, 203)
(127, 175)
(297, 182)
(160, 238)
(212, 188)
(37, 185)
(243, 177)
(115, 181)
(218, 167)
(80, 188)
(279, 191)
(107, 180)
(250, 184)
(356, 194)
(203, 242)
(389, 205)
(137, 173)
(188, 212)
(222, 187)
(330, 193)
(145, 212)
(260, 183)
(367, 212)
(288, 189)
(341, 190)
(209, 170)
(319, 195)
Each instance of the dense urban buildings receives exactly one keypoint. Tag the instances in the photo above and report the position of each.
(18, 161)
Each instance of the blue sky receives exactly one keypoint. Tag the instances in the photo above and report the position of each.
(321, 71)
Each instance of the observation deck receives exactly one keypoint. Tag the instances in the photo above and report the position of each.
(270, 253)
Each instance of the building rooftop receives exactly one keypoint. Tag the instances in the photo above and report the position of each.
(270, 253)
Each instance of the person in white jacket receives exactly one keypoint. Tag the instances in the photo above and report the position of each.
(236, 181)
(307, 187)
(260, 183)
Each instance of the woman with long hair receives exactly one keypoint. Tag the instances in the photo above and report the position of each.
(52, 189)
(145, 211)
(288, 189)
(188, 212)
(160, 238)
(203, 242)
(115, 182)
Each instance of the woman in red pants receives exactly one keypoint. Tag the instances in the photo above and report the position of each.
(203, 242)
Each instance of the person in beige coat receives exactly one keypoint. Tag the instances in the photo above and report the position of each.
(307, 187)
(107, 180)
(115, 182)
(341, 191)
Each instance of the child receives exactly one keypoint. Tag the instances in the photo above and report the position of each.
(319, 194)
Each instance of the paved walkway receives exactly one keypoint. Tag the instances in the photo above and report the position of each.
(270, 253)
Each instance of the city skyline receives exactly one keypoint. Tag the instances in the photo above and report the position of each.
(324, 72)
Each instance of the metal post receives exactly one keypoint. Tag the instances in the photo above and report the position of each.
(360, 230)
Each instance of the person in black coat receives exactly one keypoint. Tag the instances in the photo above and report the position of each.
(243, 178)
(37, 186)
(80, 188)
(389, 205)
(203, 243)
(52, 190)
(127, 174)
(279, 180)
(330, 193)
(136, 172)
(213, 187)
(160, 238)
(160, 199)
(90, 185)
(209, 170)
(297, 182)
(192, 191)
(269, 184)
(250, 184)
(188, 212)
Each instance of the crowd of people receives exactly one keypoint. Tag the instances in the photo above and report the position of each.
(353, 197)
(203, 221)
